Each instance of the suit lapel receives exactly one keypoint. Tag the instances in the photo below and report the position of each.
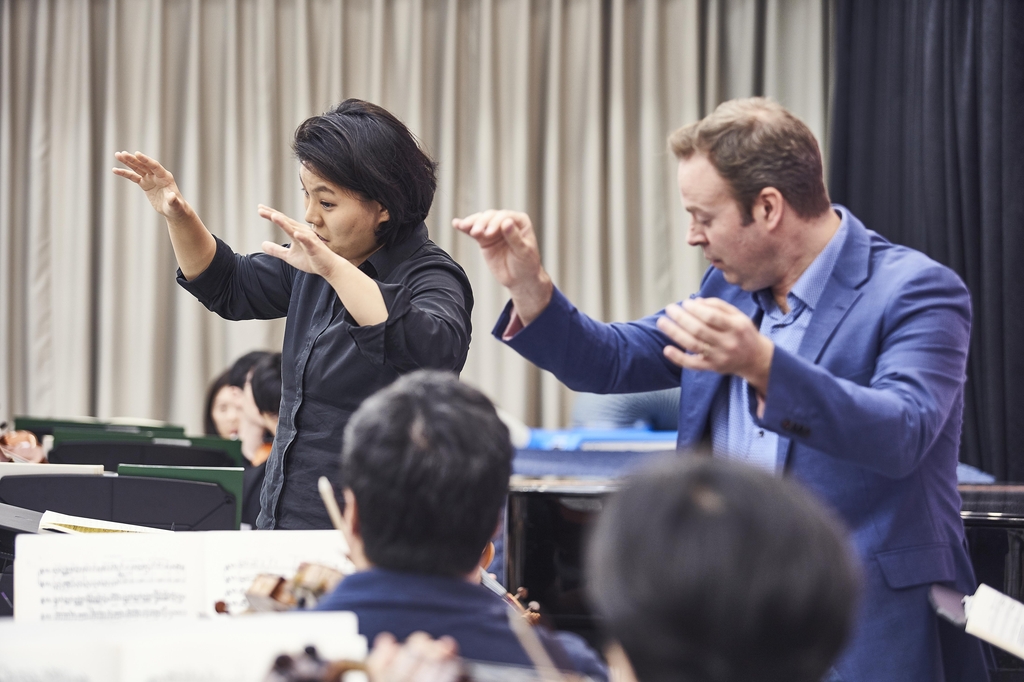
(851, 270)
(842, 291)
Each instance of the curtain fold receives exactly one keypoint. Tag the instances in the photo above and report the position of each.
(928, 150)
(556, 107)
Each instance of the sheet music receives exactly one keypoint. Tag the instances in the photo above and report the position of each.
(35, 660)
(996, 618)
(102, 577)
(243, 654)
(234, 559)
(222, 649)
(169, 575)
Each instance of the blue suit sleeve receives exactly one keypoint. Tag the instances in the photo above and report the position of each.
(596, 357)
(889, 419)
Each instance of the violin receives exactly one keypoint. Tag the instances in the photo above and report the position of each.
(530, 612)
(309, 585)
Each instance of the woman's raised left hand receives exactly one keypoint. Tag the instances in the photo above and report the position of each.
(307, 252)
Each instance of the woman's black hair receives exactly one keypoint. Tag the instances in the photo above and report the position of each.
(363, 148)
(266, 383)
(211, 394)
(240, 369)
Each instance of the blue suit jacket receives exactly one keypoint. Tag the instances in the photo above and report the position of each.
(872, 406)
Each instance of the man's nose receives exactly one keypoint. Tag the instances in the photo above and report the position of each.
(695, 235)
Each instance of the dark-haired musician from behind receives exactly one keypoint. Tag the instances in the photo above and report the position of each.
(707, 570)
(425, 470)
(368, 297)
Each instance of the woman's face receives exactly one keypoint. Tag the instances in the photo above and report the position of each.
(227, 411)
(343, 220)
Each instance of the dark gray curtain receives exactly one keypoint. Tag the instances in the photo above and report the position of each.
(928, 150)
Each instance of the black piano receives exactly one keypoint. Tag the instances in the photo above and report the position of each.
(548, 519)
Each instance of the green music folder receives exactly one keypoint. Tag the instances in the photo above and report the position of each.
(46, 425)
(233, 448)
(228, 478)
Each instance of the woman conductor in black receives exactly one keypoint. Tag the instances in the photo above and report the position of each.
(366, 294)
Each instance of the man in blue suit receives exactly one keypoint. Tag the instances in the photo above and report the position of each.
(814, 348)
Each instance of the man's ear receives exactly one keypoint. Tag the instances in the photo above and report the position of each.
(768, 208)
(383, 216)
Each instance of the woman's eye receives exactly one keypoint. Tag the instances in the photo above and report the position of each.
(304, 192)
(326, 205)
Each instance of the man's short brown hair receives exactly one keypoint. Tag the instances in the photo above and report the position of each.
(755, 143)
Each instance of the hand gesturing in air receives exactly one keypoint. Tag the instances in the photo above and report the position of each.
(509, 247)
(156, 181)
(307, 252)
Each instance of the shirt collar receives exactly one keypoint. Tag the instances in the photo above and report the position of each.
(811, 284)
(385, 259)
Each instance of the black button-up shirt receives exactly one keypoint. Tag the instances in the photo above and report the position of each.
(329, 363)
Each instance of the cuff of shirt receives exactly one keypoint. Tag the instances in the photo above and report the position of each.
(515, 325)
(549, 324)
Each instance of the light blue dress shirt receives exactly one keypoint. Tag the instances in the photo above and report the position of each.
(734, 434)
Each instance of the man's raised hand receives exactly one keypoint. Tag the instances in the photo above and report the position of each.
(509, 247)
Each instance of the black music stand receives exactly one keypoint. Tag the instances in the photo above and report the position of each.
(13, 520)
(154, 502)
(112, 453)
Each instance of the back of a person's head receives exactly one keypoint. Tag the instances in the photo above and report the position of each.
(241, 367)
(709, 571)
(428, 461)
(266, 383)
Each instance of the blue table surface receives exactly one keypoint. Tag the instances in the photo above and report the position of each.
(590, 463)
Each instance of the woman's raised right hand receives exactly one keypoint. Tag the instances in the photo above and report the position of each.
(156, 181)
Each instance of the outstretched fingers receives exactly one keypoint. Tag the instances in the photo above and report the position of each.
(290, 226)
(133, 162)
(152, 166)
(128, 174)
(275, 250)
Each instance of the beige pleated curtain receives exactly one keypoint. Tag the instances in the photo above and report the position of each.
(556, 107)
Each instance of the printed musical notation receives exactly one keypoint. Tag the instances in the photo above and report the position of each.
(155, 588)
(165, 576)
(235, 564)
(69, 578)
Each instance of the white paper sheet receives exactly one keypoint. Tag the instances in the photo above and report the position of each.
(221, 649)
(996, 618)
(166, 576)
